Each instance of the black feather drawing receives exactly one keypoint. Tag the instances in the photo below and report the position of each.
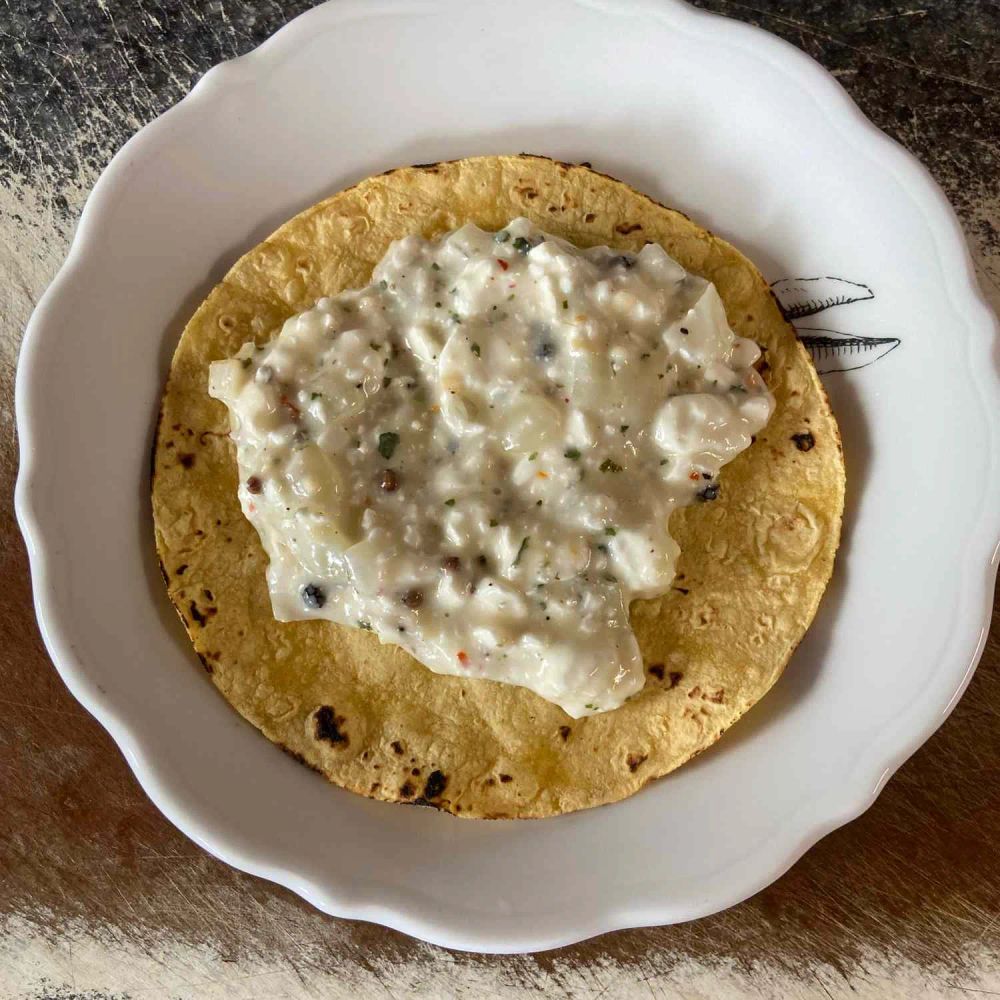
(836, 351)
(831, 350)
(800, 297)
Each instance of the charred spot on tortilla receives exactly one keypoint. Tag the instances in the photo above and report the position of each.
(435, 785)
(327, 726)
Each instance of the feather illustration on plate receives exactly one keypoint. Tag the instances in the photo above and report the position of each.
(831, 350)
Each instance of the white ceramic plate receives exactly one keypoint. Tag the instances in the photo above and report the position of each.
(723, 121)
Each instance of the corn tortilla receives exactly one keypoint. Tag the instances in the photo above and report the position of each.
(753, 566)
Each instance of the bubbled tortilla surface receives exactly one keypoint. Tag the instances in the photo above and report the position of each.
(753, 566)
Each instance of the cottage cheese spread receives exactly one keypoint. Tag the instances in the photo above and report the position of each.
(476, 456)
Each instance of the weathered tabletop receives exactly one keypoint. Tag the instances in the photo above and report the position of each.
(100, 897)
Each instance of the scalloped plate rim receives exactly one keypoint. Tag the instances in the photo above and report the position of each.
(869, 775)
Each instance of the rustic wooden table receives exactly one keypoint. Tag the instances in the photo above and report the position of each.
(101, 898)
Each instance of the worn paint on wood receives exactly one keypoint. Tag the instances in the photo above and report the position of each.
(101, 898)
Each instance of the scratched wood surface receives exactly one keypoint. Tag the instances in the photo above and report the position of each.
(101, 898)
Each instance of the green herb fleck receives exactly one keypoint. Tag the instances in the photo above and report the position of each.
(315, 395)
(623, 428)
(593, 708)
(455, 318)
(565, 303)
(476, 350)
(609, 466)
(663, 461)
(245, 362)
(493, 522)
(609, 530)
(521, 245)
(435, 266)
(573, 454)
(367, 626)
(533, 456)
(383, 284)
(450, 502)
(387, 442)
(520, 551)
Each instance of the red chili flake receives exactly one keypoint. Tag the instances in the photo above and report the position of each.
(290, 406)
(254, 485)
(503, 264)
(512, 284)
(694, 475)
(463, 657)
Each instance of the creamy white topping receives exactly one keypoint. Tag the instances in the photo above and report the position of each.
(477, 455)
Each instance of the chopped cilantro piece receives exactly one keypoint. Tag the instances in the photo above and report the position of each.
(520, 551)
(387, 442)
